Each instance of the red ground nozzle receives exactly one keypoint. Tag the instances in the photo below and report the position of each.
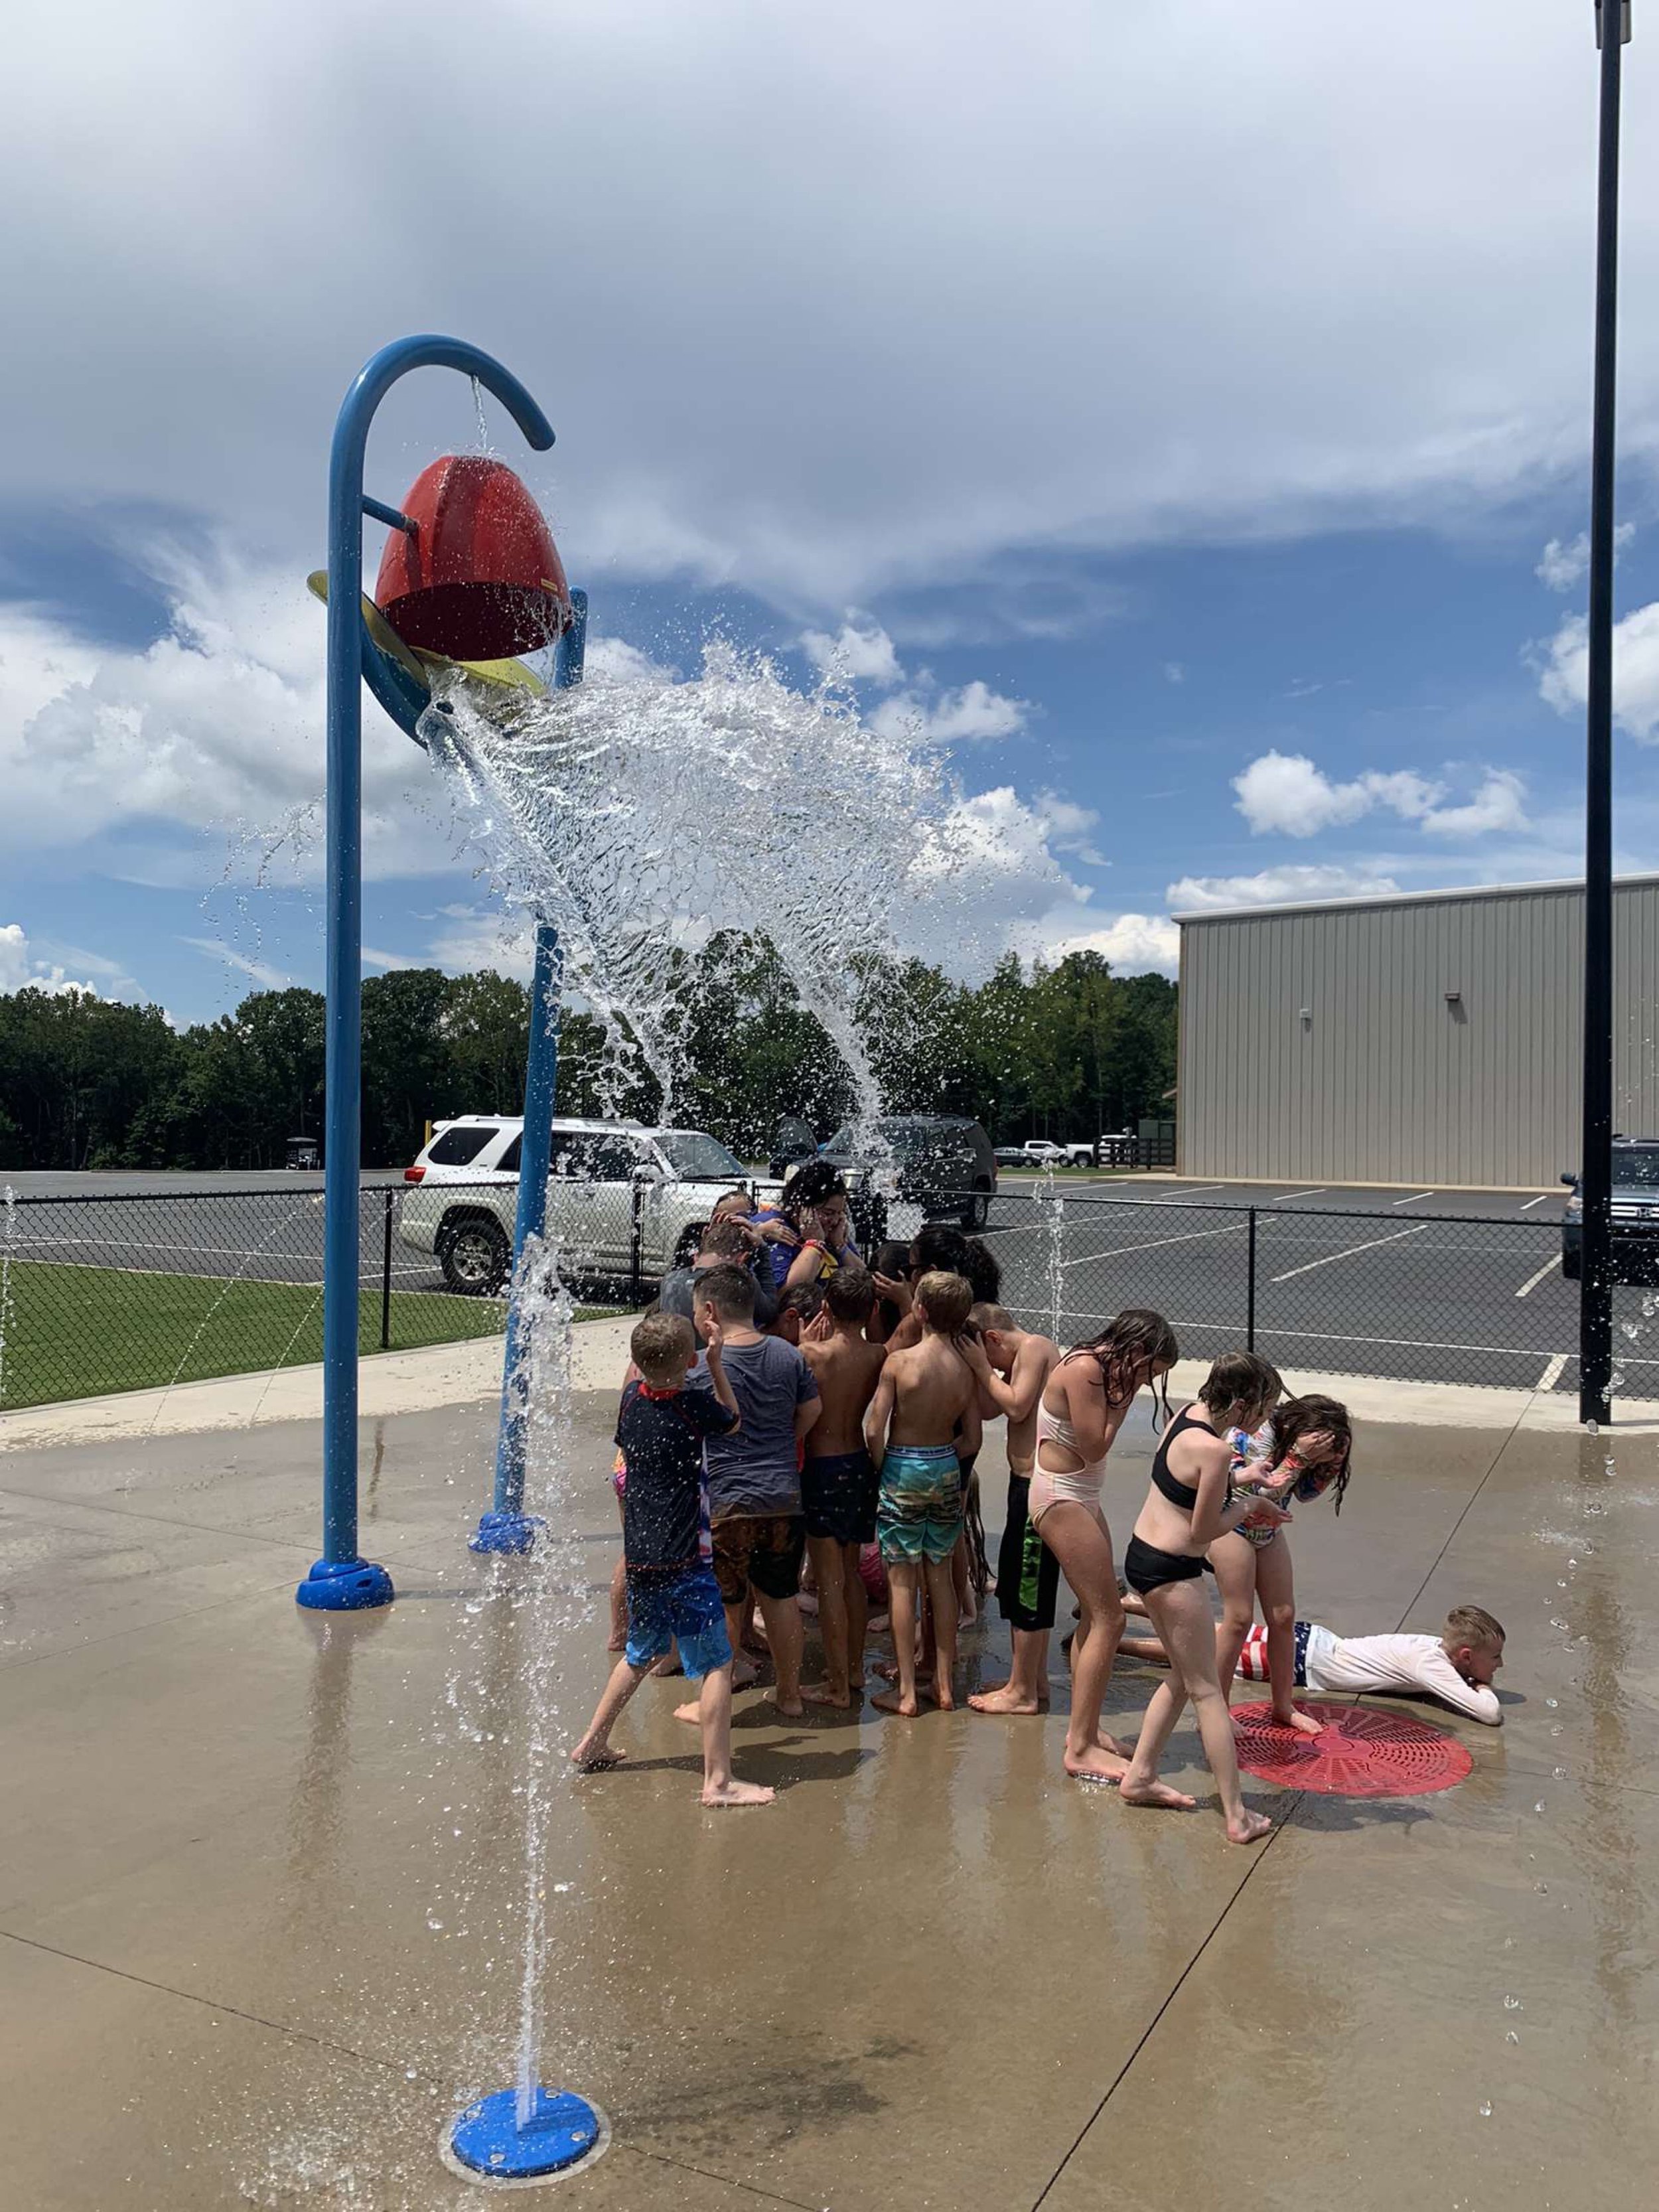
(479, 577)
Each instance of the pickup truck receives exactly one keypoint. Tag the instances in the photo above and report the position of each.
(1041, 1151)
(620, 1196)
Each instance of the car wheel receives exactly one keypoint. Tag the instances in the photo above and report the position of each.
(975, 1211)
(475, 1255)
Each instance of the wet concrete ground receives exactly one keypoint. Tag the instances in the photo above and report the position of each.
(261, 1887)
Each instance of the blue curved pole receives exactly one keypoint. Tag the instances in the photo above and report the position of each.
(506, 1527)
(341, 1581)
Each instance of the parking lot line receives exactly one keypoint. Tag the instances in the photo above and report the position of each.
(1293, 1335)
(1371, 1245)
(1538, 1200)
(1285, 1195)
(1551, 1374)
(1189, 1190)
(1156, 1243)
(1533, 1281)
(1413, 1200)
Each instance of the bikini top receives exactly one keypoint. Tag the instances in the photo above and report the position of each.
(1183, 1494)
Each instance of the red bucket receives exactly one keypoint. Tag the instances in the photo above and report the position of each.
(479, 578)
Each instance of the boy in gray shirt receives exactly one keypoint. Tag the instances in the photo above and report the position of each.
(754, 1478)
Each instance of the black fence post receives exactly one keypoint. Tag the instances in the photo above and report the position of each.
(1249, 1293)
(389, 1196)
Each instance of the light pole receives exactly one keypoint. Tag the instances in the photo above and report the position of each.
(1595, 1285)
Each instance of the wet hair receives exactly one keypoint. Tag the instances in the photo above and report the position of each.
(1240, 1379)
(948, 1300)
(986, 1315)
(892, 1260)
(1128, 1349)
(813, 1182)
(937, 1246)
(730, 1291)
(727, 1240)
(806, 1300)
(1474, 1625)
(850, 1295)
(689, 1242)
(730, 1198)
(662, 1345)
(1305, 1417)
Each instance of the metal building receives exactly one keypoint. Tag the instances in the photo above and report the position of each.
(1429, 1038)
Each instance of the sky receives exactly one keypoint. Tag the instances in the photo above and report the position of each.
(1179, 415)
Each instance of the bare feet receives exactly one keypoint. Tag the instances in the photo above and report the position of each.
(591, 1758)
(744, 1676)
(821, 1693)
(1125, 1752)
(1248, 1828)
(736, 1793)
(619, 1643)
(1095, 1764)
(794, 1712)
(1155, 1793)
(891, 1701)
(944, 1696)
(1002, 1698)
(693, 1713)
(887, 1669)
(1303, 1723)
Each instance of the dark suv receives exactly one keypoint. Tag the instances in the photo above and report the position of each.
(943, 1162)
(1635, 1214)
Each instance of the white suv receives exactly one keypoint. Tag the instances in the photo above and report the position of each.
(1041, 1151)
(619, 1199)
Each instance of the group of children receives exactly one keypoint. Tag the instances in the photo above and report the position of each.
(851, 1413)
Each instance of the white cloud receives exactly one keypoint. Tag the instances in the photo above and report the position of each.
(22, 970)
(961, 717)
(1288, 793)
(1135, 944)
(1174, 672)
(374, 957)
(1560, 567)
(1565, 676)
(1497, 805)
(859, 652)
(1276, 887)
(623, 663)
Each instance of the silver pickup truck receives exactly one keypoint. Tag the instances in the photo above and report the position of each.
(619, 1196)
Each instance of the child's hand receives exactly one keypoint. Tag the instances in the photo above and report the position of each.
(713, 1338)
(1313, 1450)
(1264, 1514)
(776, 1232)
(820, 1328)
(895, 1288)
(971, 1346)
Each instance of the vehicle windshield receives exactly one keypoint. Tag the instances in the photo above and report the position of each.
(901, 1136)
(698, 1158)
(1636, 1164)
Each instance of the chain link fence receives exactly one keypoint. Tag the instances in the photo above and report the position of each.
(107, 1292)
(1457, 1298)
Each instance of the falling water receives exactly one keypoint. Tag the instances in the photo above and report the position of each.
(1055, 1199)
(8, 1240)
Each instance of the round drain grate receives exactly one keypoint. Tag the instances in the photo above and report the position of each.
(1357, 1753)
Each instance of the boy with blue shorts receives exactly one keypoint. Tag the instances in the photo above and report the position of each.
(672, 1595)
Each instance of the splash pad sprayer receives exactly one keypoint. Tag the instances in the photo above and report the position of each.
(469, 579)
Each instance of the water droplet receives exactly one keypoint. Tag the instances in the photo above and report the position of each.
(1552, 1702)
(1511, 2037)
(1632, 1330)
(1561, 1773)
(1512, 2004)
(1485, 2108)
(563, 1888)
(1538, 1807)
(1542, 1887)
(435, 1924)
(1561, 1585)
(410, 2074)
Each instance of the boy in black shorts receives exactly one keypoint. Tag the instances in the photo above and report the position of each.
(1013, 1366)
(838, 1481)
(671, 1593)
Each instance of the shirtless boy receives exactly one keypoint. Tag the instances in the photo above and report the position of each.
(925, 1412)
(1013, 1365)
(838, 1481)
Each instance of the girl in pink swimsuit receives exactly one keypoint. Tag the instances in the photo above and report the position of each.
(1083, 1404)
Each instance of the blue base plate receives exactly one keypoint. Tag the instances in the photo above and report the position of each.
(564, 2130)
(505, 1532)
(344, 1586)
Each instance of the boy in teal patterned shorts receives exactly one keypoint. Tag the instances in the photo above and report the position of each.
(923, 1421)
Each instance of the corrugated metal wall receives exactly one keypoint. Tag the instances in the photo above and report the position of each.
(1382, 1081)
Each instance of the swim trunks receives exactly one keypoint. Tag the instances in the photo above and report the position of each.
(838, 1493)
(758, 1551)
(919, 1512)
(1253, 1659)
(1028, 1573)
(676, 1604)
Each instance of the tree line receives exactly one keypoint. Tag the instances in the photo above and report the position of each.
(1067, 1050)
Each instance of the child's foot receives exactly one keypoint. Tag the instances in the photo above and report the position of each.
(1303, 1723)
(736, 1793)
(591, 1758)
(793, 1711)
(1155, 1793)
(617, 1643)
(944, 1696)
(823, 1694)
(1003, 1698)
(887, 1669)
(1095, 1764)
(1125, 1752)
(1248, 1828)
(894, 1701)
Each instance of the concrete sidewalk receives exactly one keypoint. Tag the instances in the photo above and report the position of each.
(261, 1880)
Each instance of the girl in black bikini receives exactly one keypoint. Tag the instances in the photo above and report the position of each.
(1187, 1508)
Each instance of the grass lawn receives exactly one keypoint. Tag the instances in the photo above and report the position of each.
(73, 1332)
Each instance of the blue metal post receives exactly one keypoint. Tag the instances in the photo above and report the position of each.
(507, 1527)
(341, 1581)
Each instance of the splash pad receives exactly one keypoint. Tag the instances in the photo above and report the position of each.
(1358, 1752)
